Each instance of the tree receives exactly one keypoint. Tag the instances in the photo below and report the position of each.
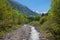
(54, 19)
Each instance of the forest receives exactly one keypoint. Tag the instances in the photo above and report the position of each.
(48, 23)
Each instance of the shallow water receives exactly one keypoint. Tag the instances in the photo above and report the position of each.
(34, 34)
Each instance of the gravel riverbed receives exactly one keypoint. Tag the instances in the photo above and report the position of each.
(22, 33)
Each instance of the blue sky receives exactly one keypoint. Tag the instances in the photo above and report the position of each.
(37, 5)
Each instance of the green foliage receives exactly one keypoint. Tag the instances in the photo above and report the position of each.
(55, 18)
(49, 23)
(43, 19)
(52, 25)
(33, 18)
(34, 23)
(9, 17)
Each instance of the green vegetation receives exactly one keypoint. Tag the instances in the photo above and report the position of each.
(52, 25)
(48, 23)
(9, 17)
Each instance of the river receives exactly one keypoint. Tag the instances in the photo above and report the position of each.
(34, 34)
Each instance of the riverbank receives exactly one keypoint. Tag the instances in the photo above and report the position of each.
(42, 35)
(22, 33)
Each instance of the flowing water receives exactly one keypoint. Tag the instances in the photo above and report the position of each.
(34, 34)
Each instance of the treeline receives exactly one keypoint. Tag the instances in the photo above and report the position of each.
(9, 17)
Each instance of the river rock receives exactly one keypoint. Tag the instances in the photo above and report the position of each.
(18, 34)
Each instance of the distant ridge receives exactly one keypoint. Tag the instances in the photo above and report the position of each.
(25, 10)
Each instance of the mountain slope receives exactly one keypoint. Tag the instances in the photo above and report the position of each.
(22, 8)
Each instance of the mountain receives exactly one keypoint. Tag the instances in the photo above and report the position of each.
(22, 8)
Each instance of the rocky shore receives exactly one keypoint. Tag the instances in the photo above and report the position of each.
(18, 34)
(41, 34)
(22, 33)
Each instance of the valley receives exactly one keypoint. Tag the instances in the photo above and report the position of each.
(19, 22)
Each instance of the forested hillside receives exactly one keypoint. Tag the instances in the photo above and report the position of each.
(22, 8)
(9, 17)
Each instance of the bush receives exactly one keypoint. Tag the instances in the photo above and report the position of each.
(34, 23)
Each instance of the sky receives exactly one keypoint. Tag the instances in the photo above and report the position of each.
(36, 5)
